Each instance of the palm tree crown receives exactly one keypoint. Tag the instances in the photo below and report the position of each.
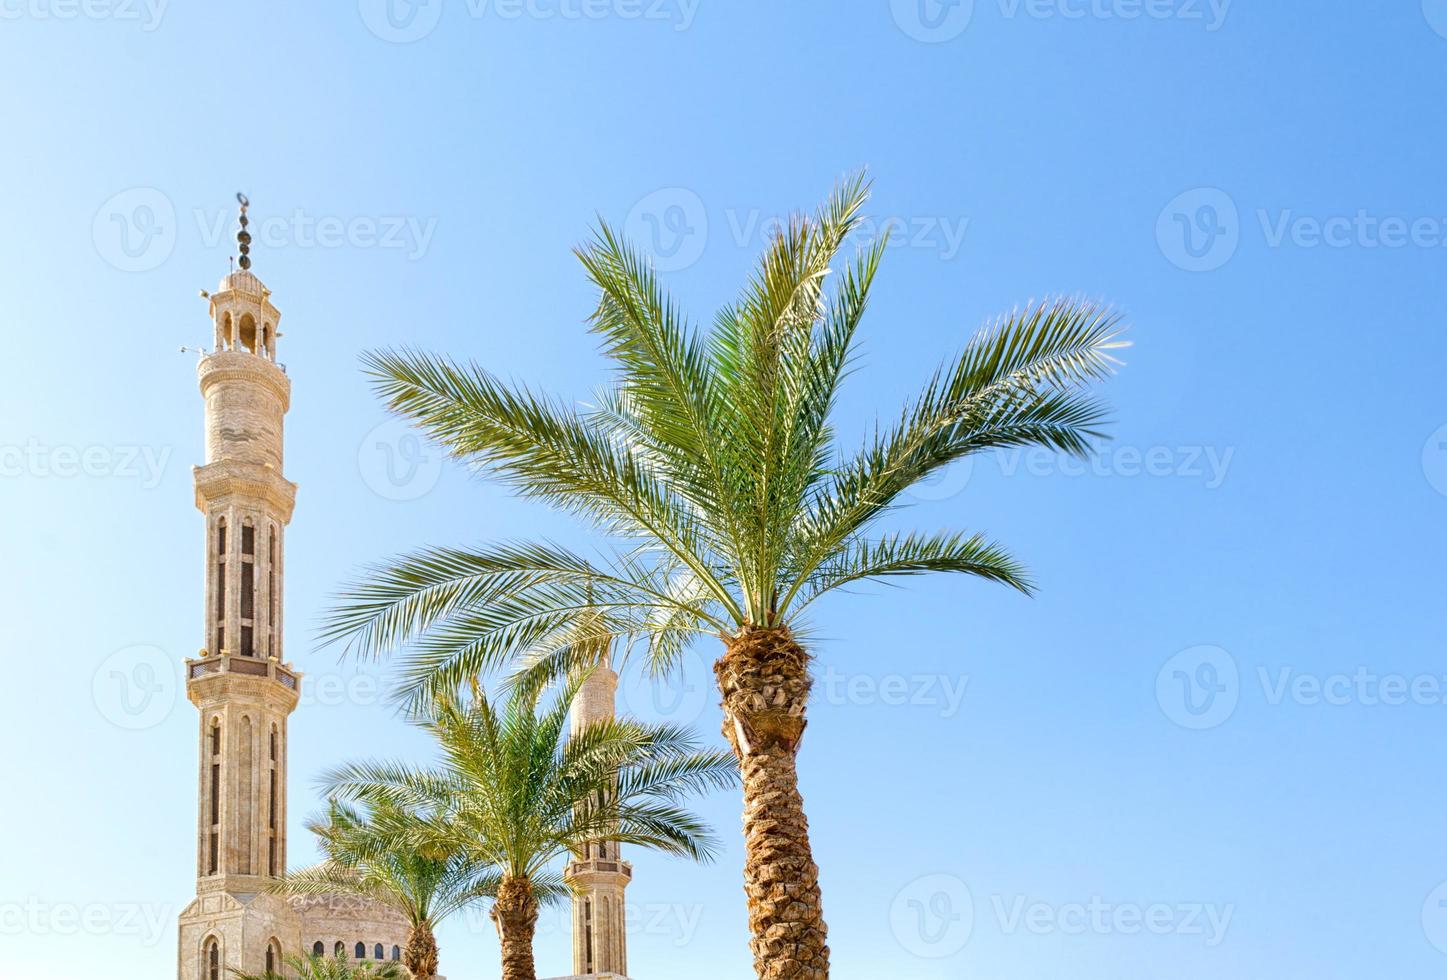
(712, 461)
(516, 793)
(710, 465)
(388, 853)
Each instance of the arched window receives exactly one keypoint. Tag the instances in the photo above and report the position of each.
(361, 951)
(219, 614)
(273, 956)
(211, 959)
(396, 952)
(223, 331)
(340, 949)
(318, 949)
(271, 650)
(248, 332)
(377, 952)
(213, 857)
(248, 589)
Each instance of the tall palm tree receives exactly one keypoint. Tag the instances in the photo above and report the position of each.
(329, 968)
(389, 853)
(517, 793)
(711, 465)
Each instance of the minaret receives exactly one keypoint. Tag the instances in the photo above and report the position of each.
(599, 876)
(239, 682)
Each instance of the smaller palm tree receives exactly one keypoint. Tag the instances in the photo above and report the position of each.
(329, 968)
(398, 857)
(520, 794)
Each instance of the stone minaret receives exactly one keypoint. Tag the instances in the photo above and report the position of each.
(599, 876)
(239, 683)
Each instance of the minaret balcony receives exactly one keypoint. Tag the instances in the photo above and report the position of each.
(235, 674)
(597, 870)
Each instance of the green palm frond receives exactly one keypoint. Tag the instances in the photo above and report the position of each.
(710, 464)
(516, 792)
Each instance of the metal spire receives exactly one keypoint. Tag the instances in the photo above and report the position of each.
(243, 237)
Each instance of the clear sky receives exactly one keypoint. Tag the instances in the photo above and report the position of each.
(1210, 748)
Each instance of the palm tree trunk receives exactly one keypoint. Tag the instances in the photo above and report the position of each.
(764, 679)
(420, 956)
(515, 913)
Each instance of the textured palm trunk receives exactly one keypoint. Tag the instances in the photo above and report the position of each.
(420, 956)
(764, 679)
(515, 913)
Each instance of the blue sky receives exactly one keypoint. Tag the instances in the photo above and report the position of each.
(1210, 747)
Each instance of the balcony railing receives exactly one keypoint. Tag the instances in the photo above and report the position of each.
(249, 666)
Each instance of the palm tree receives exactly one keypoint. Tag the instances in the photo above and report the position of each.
(329, 968)
(711, 465)
(374, 851)
(516, 794)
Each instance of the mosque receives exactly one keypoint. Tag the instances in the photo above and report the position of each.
(245, 691)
